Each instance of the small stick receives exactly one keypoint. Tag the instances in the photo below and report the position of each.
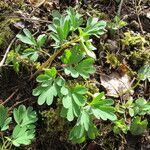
(32, 19)
(17, 103)
(140, 24)
(9, 98)
(138, 15)
(7, 50)
(120, 7)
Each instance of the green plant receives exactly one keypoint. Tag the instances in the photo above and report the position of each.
(74, 44)
(75, 103)
(144, 72)
(24, 130)
(116, 23)
(137, 126)
(120, 126)
(27, 38)
(14, 59)
(133, 39)
(28, 55)
(132, 110)
(112, 59)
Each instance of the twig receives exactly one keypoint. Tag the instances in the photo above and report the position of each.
(120, 7)
(7, 50)
(32, 19)
(17, 103)
(137, 5)
(140, 24)
(9, 98)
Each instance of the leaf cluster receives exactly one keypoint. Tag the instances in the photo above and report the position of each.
(74, 104)
(24, 130)
(144, 72)
(133, 110)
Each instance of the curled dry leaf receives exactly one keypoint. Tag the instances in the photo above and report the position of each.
(115, 84)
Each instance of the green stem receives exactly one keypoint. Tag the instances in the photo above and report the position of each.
(90, 94)
(10, 146)
(51, 58)
(5, 145)
(44, 52)
(137, 83)
(2, 137)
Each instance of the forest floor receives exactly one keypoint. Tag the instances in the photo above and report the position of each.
(121, 51)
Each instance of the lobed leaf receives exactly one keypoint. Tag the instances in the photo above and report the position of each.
(72, 101)
(4, 120)
(23, 116)
(137, 126)
(84, 68)
(22, 135)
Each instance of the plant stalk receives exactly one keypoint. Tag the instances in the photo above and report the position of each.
(51, 58)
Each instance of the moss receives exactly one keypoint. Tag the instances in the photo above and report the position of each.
(139, 58)
(55, 124)
(19, 3)
(3, 5)
(112, 59)
(95, 12)
(5, 34)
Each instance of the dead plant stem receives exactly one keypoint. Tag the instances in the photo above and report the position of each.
(120, 7)
(7, 50)
(9, 98)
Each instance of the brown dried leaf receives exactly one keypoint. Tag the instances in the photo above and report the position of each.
(115, 84)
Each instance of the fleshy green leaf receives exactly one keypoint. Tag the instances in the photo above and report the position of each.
(120, 125)
(72, 56)
(85, 120)
(95, 27)
(87, 49)
(27, 33)
(83, 68)
(75, 18)
(83, 127)
(31, 53)
(60, 28)
(141, 107)
(27, 38)
(77, 134)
